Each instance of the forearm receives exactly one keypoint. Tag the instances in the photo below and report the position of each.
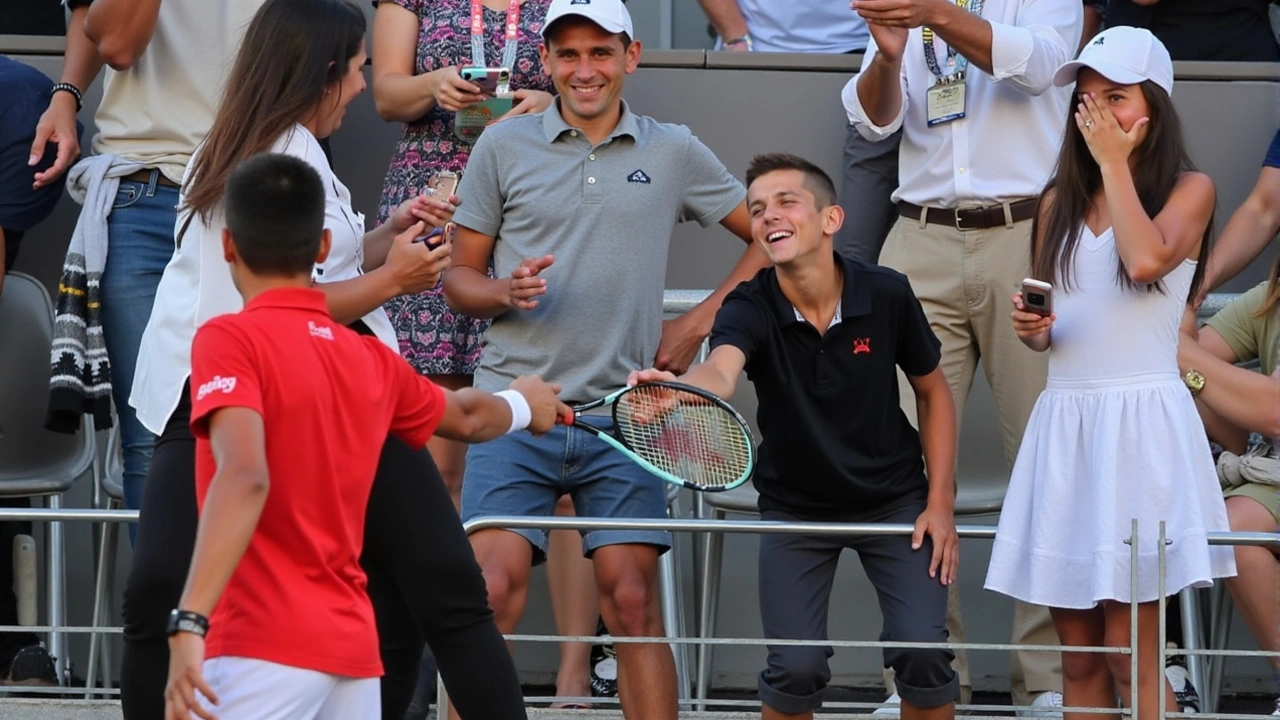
(708, 377)
(405, 98)
(1141, 246)
(1241, 397)
(350, 300)
(880, 90)
(230, 514)
(969, 34)
(121, 29)
(474, 293)
(473, 416)
(377, 243)
(1227, 434)
(937, 415)
(81, 62)
(1246, 235)
(726, 17)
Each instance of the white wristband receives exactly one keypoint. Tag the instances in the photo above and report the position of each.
(521, 415)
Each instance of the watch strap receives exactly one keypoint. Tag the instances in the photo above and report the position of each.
(188, 622)
(742, 40)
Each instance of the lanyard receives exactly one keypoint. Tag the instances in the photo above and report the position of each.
(513, 31)
(956, 63)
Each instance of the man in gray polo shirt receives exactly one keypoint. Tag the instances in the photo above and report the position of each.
(575, 207)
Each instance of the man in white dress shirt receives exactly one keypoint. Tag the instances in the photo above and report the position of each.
(970, 84)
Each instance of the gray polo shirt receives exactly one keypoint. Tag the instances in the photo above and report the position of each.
(606, 213)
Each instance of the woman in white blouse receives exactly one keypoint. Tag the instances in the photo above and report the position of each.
(300, 65)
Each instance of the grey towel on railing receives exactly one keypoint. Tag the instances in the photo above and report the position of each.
(80, 377)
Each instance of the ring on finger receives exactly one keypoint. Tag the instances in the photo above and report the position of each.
(1088, 123)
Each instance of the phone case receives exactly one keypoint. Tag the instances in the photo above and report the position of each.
(471, 121)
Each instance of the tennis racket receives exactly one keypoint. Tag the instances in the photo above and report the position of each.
(682, 434)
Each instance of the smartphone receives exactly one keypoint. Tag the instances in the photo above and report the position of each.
(444, 184)
(1037, 297)
(491, 81)
(437, 236)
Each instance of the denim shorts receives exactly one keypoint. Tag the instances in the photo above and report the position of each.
(519, 474)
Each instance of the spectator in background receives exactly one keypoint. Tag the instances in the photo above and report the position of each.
(870, 169)
(982, 124)
(1234, 402)
(1251, 228)
(1095, 16)
(26, 92)
(1236, 30)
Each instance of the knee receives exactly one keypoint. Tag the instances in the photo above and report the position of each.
(1119, 666)
(923, 668)
(799, 671)
(632, 604)
(1081, 667)
(505, 590)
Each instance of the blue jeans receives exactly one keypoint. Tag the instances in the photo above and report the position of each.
(140, 243)
(519, 474)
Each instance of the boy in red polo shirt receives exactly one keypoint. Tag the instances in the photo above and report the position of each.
(290, 411)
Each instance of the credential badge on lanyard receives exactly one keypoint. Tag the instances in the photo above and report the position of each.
(512, 34)
(946, 97)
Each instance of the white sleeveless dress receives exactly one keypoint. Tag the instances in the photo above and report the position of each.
(1114, 436)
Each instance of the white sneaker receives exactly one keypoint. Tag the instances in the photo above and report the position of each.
(892, 706)
(1188, 698)
(1044, 705)
(1277, 711)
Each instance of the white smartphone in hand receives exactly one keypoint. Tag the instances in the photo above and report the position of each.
(1037, 297)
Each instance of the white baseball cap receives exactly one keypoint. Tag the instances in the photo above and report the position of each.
(611, 15)
(1122, 54)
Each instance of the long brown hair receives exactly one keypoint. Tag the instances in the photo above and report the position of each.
(1161, 159)
(292, 52)
(1273, 293)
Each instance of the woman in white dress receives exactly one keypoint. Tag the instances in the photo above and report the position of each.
(1121, 233)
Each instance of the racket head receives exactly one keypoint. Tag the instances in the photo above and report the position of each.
(695, 438)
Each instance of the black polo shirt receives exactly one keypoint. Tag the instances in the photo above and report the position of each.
(1236, 30)
(835, 438)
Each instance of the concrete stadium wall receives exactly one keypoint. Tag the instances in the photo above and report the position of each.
(741, 105)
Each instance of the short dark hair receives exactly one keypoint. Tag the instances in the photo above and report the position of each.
(815, 180)
(275, 212)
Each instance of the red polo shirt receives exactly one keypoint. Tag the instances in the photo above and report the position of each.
(328, 398)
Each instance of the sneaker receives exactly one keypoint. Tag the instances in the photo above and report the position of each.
(604, 666)
(1044, 705)
(32, 666)
(1277, 710)
(892, 706)
(1188, 698)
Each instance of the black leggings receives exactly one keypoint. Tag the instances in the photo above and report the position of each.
(423, 580)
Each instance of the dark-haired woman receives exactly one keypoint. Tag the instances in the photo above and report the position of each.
(298, 68)
(1122, 233)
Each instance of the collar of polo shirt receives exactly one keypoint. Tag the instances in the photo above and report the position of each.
(855, 299)
(555, 126)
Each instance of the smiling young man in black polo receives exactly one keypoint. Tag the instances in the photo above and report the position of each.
(821, 336)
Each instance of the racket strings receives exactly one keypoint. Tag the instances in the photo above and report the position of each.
(685, 434)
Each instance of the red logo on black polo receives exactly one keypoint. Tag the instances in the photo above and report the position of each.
(861, 345)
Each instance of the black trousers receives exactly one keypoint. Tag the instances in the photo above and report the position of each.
(424, 582)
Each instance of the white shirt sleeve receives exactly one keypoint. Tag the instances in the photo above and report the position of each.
(853, 104)
(1028, 53)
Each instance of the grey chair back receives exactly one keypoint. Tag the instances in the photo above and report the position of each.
(33, 461)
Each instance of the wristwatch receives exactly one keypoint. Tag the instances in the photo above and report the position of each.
(188, 622)
(744, 40)
(1194, 380)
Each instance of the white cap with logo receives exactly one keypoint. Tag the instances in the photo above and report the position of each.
(1125, 55)
(611, 15)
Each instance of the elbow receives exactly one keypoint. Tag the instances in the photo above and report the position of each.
(118, 57)
(385, 108)
(1144, 273)
(250, 482)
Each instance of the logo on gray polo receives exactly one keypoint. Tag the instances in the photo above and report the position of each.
(579, 2)
(638, 177)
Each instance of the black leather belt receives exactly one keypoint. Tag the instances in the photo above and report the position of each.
(145, 176)
(972, 218)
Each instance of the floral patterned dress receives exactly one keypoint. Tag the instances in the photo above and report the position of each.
(434, 339)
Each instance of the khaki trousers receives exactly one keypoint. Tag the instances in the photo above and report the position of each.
(963, 279)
